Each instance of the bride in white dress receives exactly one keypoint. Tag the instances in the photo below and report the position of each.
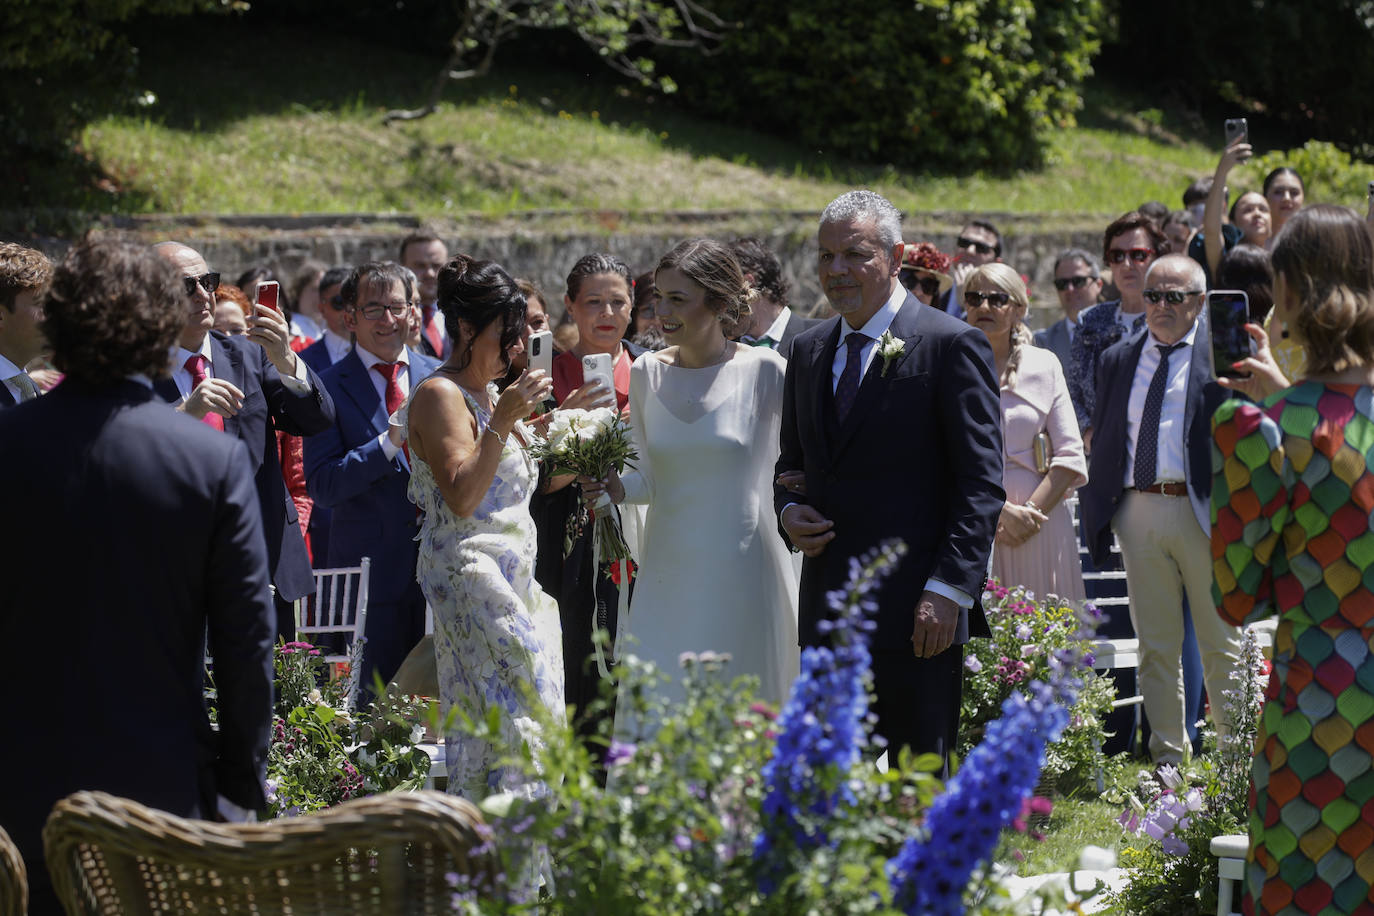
(714, 574)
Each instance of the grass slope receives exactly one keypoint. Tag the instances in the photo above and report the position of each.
(225, 136)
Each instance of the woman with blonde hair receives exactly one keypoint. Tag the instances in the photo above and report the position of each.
(1291, 535)
(1043, 451)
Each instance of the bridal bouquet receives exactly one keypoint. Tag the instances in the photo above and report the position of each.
(589, 443)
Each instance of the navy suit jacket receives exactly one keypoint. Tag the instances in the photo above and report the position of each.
(134, 530)
(347, 472)
(919, 457)
(795, 325)
(316, 356)
(1099, 499)
(268, 406)
(6, 399)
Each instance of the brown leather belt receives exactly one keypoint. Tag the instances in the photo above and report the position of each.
(1170, 488)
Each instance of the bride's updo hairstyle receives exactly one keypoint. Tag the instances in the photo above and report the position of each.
(1325, 257)
(480, 292)
(713, 267)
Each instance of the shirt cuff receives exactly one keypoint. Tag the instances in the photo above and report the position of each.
(233, 813)
(299, 383)
(390, 450)
(946, 590)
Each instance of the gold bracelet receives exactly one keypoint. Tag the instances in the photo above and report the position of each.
(499, 438)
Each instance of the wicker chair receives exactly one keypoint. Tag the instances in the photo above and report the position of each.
(384, 854)
(14, 883)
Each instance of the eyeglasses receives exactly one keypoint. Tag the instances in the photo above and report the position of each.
(973, 299)
(1137, 255)
(1172, 296)
(208, 282)
(374, 310)
(1063, 283)
(979, 247)
(928, 284)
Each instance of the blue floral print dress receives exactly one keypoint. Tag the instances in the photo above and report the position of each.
(497, 641)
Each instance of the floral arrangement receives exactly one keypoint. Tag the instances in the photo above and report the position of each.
(322, 752)
(717, 804)
(1170, 823)
(1026, 634)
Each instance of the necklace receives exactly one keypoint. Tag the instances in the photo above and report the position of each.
(713, 361)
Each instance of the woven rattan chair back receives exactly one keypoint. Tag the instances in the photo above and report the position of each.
(384, 854)
(14, 883)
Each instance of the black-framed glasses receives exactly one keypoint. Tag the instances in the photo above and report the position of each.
(1137, 255)
(980, 247)
(926, 283)
(374, 310)
(1171, 296)
(208, 282)
(973, 299)
(1063, 283)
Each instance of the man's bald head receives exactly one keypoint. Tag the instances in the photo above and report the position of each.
(200, 316)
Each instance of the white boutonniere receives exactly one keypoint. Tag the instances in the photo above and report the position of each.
(890, 348)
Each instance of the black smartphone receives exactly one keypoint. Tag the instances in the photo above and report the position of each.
(1236, 129)
(1228, 312)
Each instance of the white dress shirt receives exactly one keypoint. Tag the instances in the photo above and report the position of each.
(298, 383)
(379, 383)
(873, 329)
(778, 328)
(305, 326)
(336, 346)
(9, 370)
(1171, 454)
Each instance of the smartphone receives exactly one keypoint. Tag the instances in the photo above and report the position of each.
(267, 294)
(1236, 129)
(597, 367)
(1228, 311)
(1371, 190)
(540, 349)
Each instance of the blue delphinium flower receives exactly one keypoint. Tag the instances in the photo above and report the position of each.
(929, 874)
(821, 726)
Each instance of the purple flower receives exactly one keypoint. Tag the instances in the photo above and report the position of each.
(619, 754)
(973, 664)
(682, 841)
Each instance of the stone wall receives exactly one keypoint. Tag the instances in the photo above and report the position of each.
(544, 245)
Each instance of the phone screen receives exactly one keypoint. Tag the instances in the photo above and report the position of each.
(267, 294)
(1228, 311)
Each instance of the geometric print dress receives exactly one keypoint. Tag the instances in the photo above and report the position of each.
(1292, 498)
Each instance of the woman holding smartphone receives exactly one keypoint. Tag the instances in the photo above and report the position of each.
(1043, 451)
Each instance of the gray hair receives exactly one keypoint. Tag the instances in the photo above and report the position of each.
(865, 205)
(1192, 269)
(1078, 254)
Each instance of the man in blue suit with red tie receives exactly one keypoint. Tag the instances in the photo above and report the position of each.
(359, 468)
(250, 387)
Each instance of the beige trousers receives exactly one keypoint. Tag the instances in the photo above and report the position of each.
(1166, 556)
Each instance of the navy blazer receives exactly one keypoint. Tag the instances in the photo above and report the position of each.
(1099, 499)
(919, 457)
(268, 406)
(136, 529)
(795, 325)
(347, 472)
(316, 356)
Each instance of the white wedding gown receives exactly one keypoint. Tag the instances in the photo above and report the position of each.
(714, 574)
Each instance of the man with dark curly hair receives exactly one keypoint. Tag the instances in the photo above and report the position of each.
(250, 387)
(24, 275)
(142, 535)
(773, 324)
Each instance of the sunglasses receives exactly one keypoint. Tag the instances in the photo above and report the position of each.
(208, 282)
(1063, 283)
(336, 303)
(1171, 296)
(974, 299)
(1137, 255)
(928, 285)
(374, 310)
(979, 247)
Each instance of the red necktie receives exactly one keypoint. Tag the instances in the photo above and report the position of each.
(195, 365)
(432, 333)
(391, 372)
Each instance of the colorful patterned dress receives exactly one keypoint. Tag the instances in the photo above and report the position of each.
(1291, 534)
(497, 641)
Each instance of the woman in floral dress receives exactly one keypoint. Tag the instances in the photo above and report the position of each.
(1292, 534)
(496, 634)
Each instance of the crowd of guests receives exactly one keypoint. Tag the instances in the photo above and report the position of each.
(197, 453)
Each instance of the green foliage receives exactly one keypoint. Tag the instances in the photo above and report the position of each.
(946, 84)
(1329, 174)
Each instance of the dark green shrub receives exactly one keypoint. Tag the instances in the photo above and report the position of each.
(947, 84)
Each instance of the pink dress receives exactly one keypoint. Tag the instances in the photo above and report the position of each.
(1038, 401)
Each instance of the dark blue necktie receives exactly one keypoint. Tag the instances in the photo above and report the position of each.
(848, 387)
(1147, 442)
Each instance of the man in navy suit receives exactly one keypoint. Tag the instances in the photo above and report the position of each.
(24, 275)
(358, 468)
(250, 386)
(907, 446)
(141, 532)
(1150, 481)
